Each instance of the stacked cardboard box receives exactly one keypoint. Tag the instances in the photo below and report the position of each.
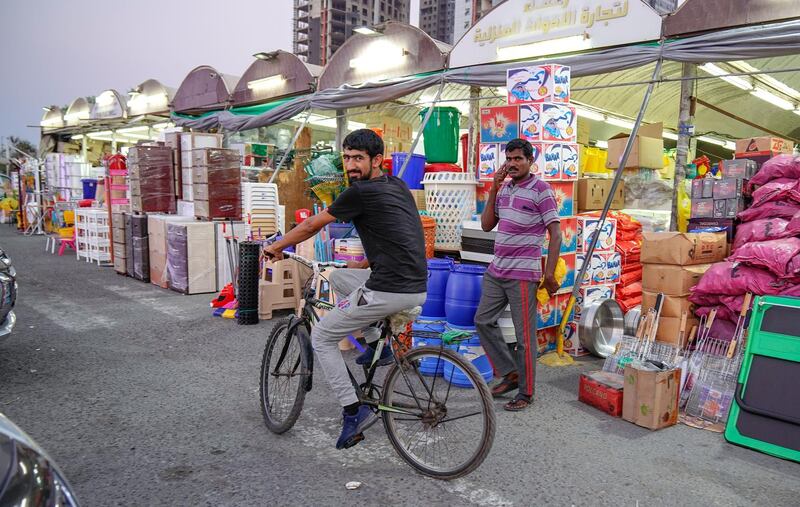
(191, 257)
(120, 243)
(673, 263)
(397, 134)
(151, 179)
(137, 247)
(216, 176)
(593, 192)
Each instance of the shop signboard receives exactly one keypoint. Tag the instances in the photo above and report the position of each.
(531, 29)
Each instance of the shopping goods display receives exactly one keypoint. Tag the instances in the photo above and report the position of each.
(151, 179)
(216, 179)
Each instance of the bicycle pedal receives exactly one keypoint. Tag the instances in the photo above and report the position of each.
(353, 441)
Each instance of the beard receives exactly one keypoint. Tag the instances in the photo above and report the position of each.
(356, 176)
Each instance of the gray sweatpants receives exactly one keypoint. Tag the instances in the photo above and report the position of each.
(496, 294)
(356, 308)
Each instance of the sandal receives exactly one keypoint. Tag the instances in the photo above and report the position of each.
(517, 404)
(509, 383)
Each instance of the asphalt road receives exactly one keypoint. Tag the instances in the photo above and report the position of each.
(143, 399)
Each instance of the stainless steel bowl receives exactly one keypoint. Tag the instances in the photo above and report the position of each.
(632, 320)
(601, 327)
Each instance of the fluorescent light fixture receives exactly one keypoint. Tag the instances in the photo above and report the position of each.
(365, 30)
(128, 130)
(105, 99)
(163, 125)
(722, 74)
(767, 79)
(711, 140)
(267, 83)
(47, 109)
(77, 137)
(381, 55)
(75, 116)
(618, 122)
(796, 111)
(773, 99)
(601, 144)
(670, 135)
(730, 145)
(97, 135)
(547, 47)
(589, 114)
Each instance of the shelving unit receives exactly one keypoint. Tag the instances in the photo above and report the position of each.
(93, 235)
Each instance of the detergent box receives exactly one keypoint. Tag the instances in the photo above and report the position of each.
(570, 161)
(613, 267)
(537, 167)
(569, 239)
(562, 78)
(608, 235)
(596, 272)
(559, 123)
(572, 342)
(569, 279)
(499, 124)
(565, 197)
(552, 161)
(546, 314)
(489, 161)
(590, 294)
(530, 84)
(546, 339)
(530, 122)
(561, 307)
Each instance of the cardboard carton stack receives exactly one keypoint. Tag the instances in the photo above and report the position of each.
(673, 263)
(216, 177)
(761, 149)
(151, 179)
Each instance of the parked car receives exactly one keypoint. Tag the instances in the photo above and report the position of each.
(8, 295)
(28, 476)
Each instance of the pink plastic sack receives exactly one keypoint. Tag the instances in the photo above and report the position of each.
(723, 312)
(704, 299)
(781, 189)
(792, 290)
(781, 166)
(734, 279)
(775, 255)
(793, 227)
(760, 230)
(779, 209)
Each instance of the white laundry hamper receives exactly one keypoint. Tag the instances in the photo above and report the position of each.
(449, 199)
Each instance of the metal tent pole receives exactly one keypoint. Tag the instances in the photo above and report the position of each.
(290, 147)
(421, 128)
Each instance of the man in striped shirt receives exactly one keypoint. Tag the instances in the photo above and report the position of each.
(523, 209)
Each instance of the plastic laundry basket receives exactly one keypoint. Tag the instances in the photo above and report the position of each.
(441, 134)
(449, 199)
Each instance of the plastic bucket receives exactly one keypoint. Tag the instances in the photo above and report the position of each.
(415, 170)
(89, 188)
(441, 134)
(463, 293)
(438, 274)
(472, 351)
(422, 335)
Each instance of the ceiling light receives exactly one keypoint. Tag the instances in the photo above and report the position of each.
(381, 55)
(670, 135)
(267, 83)
(711, 140)
(105, 99)
(365, 30)
(722, 74)
(618, 122)
(773, 99)
(589, 114)
(97, 135)
(730, 145)
(767, 79)
(164, 125)
(543, 48)
(139, 128)
(77, 137)
(601, 144)
(47, 109)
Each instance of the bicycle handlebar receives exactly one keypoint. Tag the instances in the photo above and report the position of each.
(311, 264)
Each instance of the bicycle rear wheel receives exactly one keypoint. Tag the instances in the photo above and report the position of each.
(442, 430)
(284, 376)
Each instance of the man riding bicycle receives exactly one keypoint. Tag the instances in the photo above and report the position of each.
(385, 215)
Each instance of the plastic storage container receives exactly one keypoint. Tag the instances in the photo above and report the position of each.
(463, 294)
(428, 334)
(89, 188)
(438, 274)
(439, 167)
(415, 170)
(472, 351)
(441, 134)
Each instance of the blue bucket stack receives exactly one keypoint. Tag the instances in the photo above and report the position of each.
(454, 291)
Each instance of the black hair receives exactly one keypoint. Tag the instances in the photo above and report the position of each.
(364, 140)
(520, 144)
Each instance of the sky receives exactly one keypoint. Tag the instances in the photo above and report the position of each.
(54, 51)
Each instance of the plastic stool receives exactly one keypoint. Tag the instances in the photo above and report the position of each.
(66, 242)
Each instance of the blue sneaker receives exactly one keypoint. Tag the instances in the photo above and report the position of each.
(386, 358)
(353, 427)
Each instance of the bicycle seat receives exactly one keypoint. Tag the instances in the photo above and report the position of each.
(400, 320)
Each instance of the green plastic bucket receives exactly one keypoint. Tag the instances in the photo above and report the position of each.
(441, 135)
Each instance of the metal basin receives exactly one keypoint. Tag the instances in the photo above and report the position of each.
(601, 327)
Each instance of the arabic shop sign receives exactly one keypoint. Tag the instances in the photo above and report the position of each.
(515, 23)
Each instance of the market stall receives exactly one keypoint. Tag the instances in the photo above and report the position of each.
(203, 89)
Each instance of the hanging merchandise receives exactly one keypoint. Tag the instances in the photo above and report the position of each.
(325, 176)
(441, 134)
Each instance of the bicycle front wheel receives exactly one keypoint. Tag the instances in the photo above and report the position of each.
(284, 374)
(443, 426)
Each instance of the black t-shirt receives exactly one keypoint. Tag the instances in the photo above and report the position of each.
(386, 218)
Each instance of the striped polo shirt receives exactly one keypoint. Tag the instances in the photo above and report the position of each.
(524, 210)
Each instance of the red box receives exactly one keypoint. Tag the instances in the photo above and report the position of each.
(602, 390)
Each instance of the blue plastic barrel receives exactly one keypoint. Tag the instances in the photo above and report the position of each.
(438, 273)
(415, 170)
(463, 294)
(472, 351)
(422, 335)
(89, 188)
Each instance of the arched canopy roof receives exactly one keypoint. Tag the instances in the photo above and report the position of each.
(78, 111)
(150, 97)
(203, 89)
(272, 76)
(52, 118)
(109, 105)
(395, 50)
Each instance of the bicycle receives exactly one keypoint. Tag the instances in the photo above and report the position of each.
(424, 421)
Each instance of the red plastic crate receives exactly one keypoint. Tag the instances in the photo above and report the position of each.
(602, 390)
